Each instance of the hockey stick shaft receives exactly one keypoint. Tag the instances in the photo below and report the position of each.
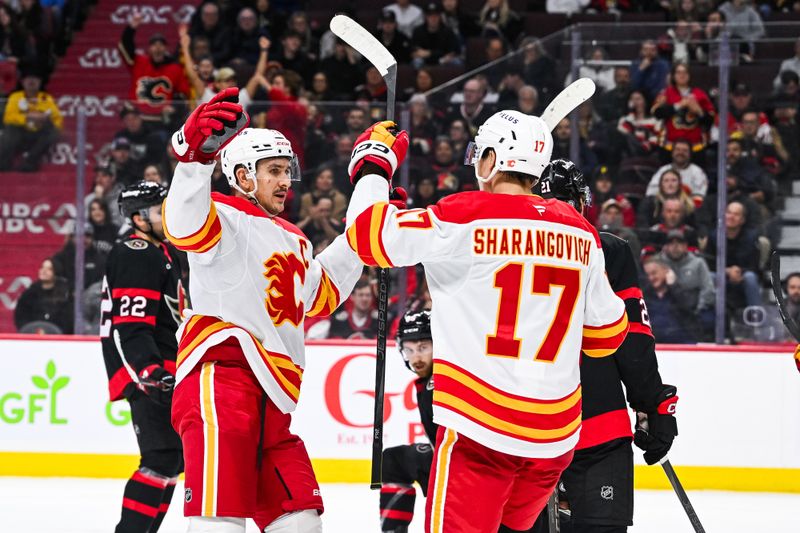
(777, 290)
(552, 512)
(682, 497)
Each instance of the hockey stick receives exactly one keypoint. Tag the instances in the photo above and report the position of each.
(777, 290)
(684, 499)
(363, 41)
(552, 512)
(567, 100)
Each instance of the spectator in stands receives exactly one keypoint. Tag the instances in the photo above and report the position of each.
(472, 110)
(287, 114)
(433, 43)
(787, 129)
(373, 89)
(342, 70)
(32, 124)
(246, 46)
(269, 18)
(538, 68)
(611, 220)
(106, 189)
(355, 121)
(154, 174)
(602, 190)
(741, 100)
(528, 101)
(668, 308)
(206, 23)
(649, 74)
(459, 22)
(356, 320)
(567, 7)
(14, 44)
(298, 23)
(408, 16)
(707, 214)
(497, 19)
(320, 88)
(323, 187)
(788, 89)
(792, 284)
(674, 217)
(126, 169)
(509, 87)
(753, 179)
(715, 24)
(669, 186)
(687, 10)
(319, 224)
(146, 146)
(561, 147)
(741, 260)
(639, 130)
(758, 143)
(104, 231)
(425, 193)
(393, 39)
(744, 23)
(792, 64)
(613, 104)
(94, 260)
(692, 276)
(687, 112)
(48, 299)
(682, 42)
(423, 129)
(693, 177)
(156, 78)
(458, 132)
(601, 75)
(340, 162)
(446, 169)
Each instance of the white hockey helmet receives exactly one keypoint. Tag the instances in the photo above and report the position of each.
(521, 143)
(249, 147)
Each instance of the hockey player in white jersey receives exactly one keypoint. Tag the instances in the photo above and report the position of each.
(241, 355)
(518, 289)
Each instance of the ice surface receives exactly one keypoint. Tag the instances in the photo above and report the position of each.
(69, 505)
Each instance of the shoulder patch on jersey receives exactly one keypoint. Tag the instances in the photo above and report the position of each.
(136, 244)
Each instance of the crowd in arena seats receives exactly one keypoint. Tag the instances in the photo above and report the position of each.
(648, 140)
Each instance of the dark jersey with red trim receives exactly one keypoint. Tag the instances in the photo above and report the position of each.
(140, 312)
(344, 327)
(424, 388)
(634, 364)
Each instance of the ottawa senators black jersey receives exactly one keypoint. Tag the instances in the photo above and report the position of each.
(140, 312)
(425, 405)
(605, 415)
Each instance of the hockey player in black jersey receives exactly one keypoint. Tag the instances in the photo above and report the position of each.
(140, 314)
(596, 490)
(403, 465)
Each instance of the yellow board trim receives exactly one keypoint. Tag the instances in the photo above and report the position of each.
(88, 465)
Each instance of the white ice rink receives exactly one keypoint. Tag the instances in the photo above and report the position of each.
(68, 505)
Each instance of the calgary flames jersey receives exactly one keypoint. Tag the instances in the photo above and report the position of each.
(253, 278)
(519, 290)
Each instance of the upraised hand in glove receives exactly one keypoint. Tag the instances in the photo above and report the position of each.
(210, 127)
(399, 197)
(379, 150)
(157, 383)
(656, 430)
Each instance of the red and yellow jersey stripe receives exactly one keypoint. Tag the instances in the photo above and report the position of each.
(528, 419)
(284, 372)
(365, 236)
(327, 299)
(203, 239)
(602, 341)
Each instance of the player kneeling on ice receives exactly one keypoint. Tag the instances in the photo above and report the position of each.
(140, 313)
(404, 465)
(518, 289)
(241, 354)
(596, 489)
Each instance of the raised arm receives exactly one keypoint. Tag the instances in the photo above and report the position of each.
(261, 67)
(188, 63)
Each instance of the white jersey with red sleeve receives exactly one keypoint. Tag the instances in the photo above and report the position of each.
(253, 277)
(519, 290)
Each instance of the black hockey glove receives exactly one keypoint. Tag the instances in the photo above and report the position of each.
(157, 384)
(655, 430)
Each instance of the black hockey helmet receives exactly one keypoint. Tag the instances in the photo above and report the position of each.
(140, 196)
(414, 326)
(563, 181)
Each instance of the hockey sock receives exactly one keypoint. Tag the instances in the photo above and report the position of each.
(164, 507)
(397, 506)
(141, 501)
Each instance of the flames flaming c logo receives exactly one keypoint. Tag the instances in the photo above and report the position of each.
(280, 273)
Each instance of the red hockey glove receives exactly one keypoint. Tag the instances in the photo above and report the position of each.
(399, 198)
(655, 430)
(157, 384)
(210, 127)
(382, 145)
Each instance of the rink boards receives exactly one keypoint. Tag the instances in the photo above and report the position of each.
(738, 415)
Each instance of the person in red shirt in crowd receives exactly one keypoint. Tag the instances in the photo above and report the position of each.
(155, 76)
(687, 111)
(287, 114)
